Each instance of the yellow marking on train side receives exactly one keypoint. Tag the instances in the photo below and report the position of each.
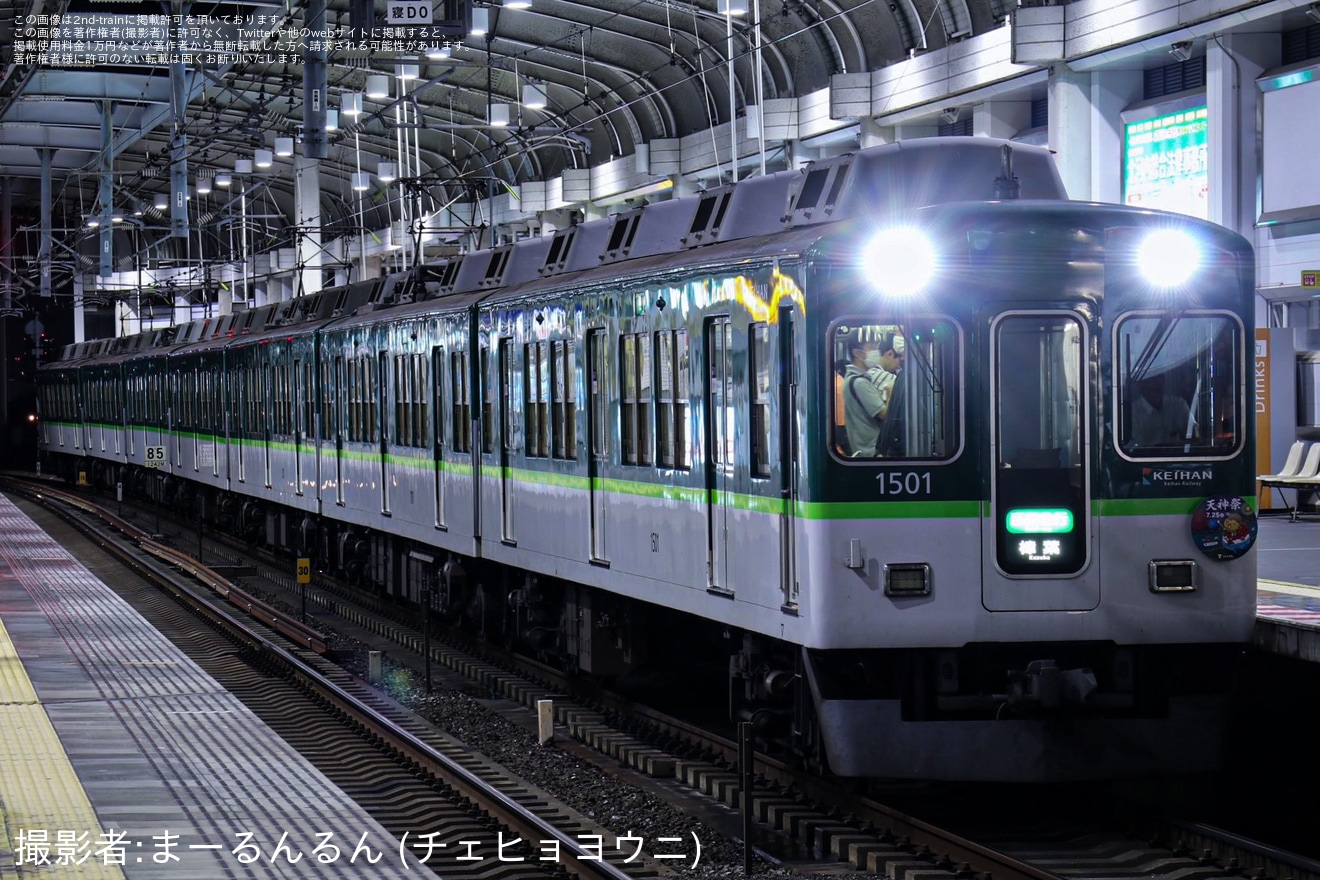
(39, 790)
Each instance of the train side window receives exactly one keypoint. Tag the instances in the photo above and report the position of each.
(759, 370)
(635, 401)
(564, 405)
(402, 401)
(536, 395)
(1178, 378)
(896, 389)
(421, 381)
(462, 404)
(487, 401)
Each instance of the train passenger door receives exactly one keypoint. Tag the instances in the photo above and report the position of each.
(1036, 543)
(720, 415)
(385, 406)
(267, 393)
(436, 391)
(598, 402)
(301, 384)
(505, 355)
(338, 429)
(788, 458)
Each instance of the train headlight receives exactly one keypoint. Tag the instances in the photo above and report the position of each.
(1168, 257)
(899, 262)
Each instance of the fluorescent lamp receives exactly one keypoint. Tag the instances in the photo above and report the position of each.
(533, 96)
(480, 22)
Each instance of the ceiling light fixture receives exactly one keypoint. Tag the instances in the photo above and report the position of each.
(378, 86)
(242, 166)
(283, 146)
(499, 115)
(361, 181)
(406, 72)
(161, 201)
(731, 7)
(533, 96)
(437, 53)
(351, 104)
(480, 22)
(262, 158)
(203, 185)
(385, 171)
(331, 119)
(222, 178)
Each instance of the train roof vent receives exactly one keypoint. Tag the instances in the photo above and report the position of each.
(662, 227)
(499, 261)
(259, 319)
(526, 260)
(351, 296)
(557, 255)
(283, 314)
(587, 248)
(449, 273)
(815, 192)
(711, 208)
(392, 290)
(623, 234)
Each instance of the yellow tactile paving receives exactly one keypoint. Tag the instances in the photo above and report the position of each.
(38, 788)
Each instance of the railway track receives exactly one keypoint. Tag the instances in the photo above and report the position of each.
(802, 819)
(415, 780)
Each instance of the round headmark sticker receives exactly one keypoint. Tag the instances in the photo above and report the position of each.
(1224, 526)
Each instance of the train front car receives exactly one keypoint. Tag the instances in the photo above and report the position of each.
(1031, 501)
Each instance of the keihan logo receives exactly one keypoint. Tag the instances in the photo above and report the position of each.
(1175, 476)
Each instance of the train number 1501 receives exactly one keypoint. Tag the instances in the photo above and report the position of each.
(904, 482)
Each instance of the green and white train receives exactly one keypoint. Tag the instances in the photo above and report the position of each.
(617, 447)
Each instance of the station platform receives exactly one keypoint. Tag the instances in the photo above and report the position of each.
(1288, 592)
(118, 754)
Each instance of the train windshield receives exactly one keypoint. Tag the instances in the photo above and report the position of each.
(1178, 376)
(896, 389)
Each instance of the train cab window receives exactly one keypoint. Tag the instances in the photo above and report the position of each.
(1178, 376)
(896, 390)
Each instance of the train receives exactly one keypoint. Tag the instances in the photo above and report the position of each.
(622, 447)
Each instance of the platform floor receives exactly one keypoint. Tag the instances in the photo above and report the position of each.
(118, 755)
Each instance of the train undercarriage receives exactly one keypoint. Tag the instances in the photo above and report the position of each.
(846, 711)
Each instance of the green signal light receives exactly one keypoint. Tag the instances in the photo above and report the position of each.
(1040, 521)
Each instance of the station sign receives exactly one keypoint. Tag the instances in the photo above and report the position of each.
(405, 12)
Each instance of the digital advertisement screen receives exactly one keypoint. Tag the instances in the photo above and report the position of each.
(1165, 163)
